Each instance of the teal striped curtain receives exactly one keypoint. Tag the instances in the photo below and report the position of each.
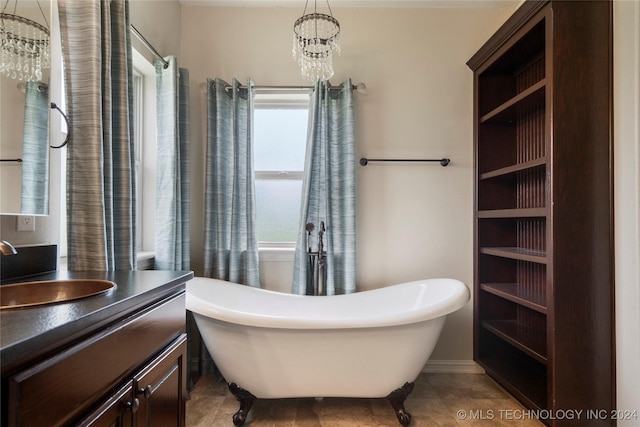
(230, 231)
(328, 188)
(35, 150)
(101, 208)
(172, 225)
(230, 240)
(172, 163)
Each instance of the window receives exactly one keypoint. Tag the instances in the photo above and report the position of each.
(144, 93)
(138, 135)
(144, 121)
(280, 134)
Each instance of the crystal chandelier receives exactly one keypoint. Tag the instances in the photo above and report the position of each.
(315, 37)
(24, 46)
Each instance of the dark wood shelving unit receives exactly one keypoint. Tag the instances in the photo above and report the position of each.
(543, 292)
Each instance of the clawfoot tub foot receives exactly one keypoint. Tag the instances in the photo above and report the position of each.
(246, 400)
(397, 398)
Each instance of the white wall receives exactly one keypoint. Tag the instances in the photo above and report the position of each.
(159, 22)
(414, 220)
(627, 203)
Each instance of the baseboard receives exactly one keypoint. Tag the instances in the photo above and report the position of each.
(452, 367)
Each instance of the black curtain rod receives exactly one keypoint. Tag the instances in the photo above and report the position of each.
(360, 87)
(149, 46)
(443, 162)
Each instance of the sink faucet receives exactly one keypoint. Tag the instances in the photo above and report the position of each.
(7, 248)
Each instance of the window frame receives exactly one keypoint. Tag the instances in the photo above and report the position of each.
(138, 138)
(145, 131)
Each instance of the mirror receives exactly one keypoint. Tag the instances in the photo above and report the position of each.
(24, 117)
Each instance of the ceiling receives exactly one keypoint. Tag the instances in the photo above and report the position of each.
(356, 3)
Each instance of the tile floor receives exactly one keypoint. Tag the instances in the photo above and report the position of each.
(438, 400)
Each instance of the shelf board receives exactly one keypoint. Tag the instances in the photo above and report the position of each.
(514, 293)
(506, 112)
(521, 337)
(531, 164)
(528, 385)
(513, 213)
(517, 253)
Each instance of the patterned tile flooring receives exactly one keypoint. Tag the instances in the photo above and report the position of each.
(438, 400)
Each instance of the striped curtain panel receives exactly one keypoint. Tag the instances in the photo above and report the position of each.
(172, 163)
(230, 240)
(230, 231)
(101, 183)
(172, 240)
(328, 189)
(35, 150)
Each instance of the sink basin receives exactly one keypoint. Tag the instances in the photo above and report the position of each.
(51, 291)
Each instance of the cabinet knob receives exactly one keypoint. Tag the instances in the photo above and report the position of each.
(146, 391)
(132, 405)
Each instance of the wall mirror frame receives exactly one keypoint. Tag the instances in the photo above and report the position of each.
(25, 169)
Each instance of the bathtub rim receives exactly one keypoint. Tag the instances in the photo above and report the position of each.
(197, 304)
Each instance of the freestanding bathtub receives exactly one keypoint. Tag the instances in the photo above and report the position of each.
(367, 344)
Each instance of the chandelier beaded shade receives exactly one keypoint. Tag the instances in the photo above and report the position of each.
(315, 38)
(24, 47)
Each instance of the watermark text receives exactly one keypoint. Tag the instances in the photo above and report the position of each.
(546, 414)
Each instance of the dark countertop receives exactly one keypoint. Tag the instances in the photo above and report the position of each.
(31, 333)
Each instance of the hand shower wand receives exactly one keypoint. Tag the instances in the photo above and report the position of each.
(320, 271)
(311, 286)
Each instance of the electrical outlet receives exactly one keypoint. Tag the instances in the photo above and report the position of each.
(26, 223)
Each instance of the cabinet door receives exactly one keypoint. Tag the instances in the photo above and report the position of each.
(117, 411)
(161, 388)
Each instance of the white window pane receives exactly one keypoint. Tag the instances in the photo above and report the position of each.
(278, 209)
(280, 139)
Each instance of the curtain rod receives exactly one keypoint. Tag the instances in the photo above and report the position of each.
(359, 87)
(149, 46)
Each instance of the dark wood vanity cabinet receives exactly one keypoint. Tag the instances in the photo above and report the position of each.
(153, 398)
(132, 373)
(543, 231)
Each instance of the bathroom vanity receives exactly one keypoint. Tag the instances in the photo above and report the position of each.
(113, 359)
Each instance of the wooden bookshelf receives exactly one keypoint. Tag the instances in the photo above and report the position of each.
(543, 292)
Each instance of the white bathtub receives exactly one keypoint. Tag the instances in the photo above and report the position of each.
(367, 344)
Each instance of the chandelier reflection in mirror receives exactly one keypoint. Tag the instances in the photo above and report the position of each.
(24, 48)
(315, 38)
